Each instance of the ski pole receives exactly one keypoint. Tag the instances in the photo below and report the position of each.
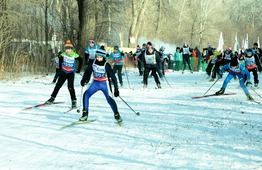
(137, 113)
(127, 76)
(167, 81)
(256, 92)
(211, 87)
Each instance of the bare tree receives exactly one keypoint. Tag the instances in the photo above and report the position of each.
(138, 10)
(27, 26)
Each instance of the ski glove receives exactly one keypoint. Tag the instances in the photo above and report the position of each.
(116, 93)
(78, 71)
(220, 76)
(83, 82)
(248, 83)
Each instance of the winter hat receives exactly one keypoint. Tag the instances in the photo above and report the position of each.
(234, 61)
(162, 48)
(116, 47)
(102, 47)
(150, 45)
(101, 52)
(249, 52)
(68, 44)
(92, 40)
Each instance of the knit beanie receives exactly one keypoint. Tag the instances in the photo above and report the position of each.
(234, 61)
(249, 52)
(68, 44)
(101, 52)
(116, 47)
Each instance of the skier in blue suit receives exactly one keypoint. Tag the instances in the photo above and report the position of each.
(101, 70)
(235, 69)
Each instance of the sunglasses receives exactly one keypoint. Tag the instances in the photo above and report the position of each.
(92, 41)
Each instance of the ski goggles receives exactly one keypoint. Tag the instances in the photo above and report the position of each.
(249, 53)
(150, 47)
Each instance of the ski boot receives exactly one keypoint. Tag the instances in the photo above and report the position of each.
(249, 97)
(84, 116)
(145, 86)
(159, 85)
(221, 91)
(50, 101)
(118, 117)
(73, 104)
(211, 80)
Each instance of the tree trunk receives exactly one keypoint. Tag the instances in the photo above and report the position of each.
(46, 32)
(137, 19)
(158, 18)
(87, 22)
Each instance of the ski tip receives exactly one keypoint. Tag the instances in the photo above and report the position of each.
(197, 97)
(119, 125)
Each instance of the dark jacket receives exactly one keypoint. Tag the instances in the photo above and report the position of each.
(109, 71)
(157, 60)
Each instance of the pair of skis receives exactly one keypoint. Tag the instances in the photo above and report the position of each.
(71, 124)
(225, 94)
(43, 104)
(210, 95)
(119, 124)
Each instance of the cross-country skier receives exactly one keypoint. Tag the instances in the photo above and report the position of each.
(118, 59)
(235, 69)
(252, 64)
(164, 59)
(90, 52)
(67, 65)
(150, 59)
(186, 52)
(55, 60)
(101, 70)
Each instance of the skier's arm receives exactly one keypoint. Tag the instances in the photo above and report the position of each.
(80, 64)
(258, 63)
(86, 76)
(111, 74)
(224, 68)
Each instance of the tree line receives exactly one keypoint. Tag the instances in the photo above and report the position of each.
(29, 29)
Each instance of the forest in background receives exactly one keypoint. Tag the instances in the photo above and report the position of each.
(29, 28)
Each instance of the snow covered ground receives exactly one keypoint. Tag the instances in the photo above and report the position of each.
(173, 131)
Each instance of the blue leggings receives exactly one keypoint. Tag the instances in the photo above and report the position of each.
(241, 81)
(93, 88)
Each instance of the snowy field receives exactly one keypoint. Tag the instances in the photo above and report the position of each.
(173, 131)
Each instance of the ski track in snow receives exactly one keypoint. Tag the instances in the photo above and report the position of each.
(172, 132)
